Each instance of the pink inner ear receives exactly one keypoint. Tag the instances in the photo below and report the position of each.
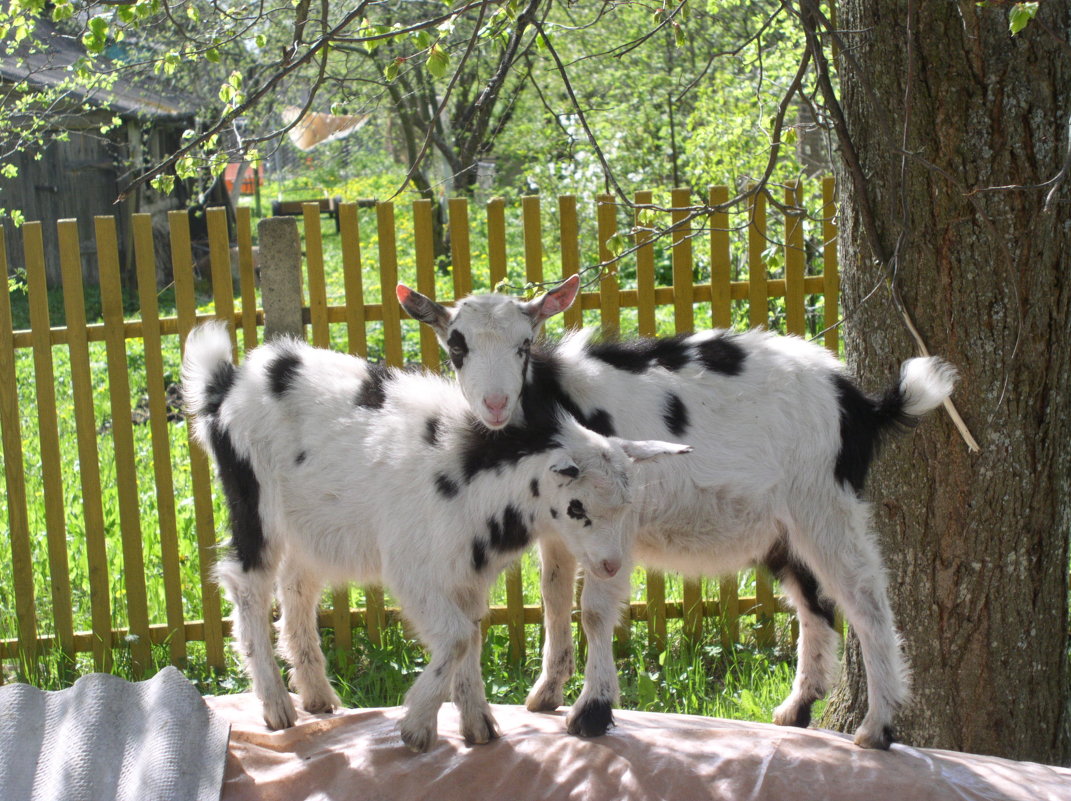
(560, 298)
(403, 293)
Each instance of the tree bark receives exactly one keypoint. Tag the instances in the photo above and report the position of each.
(976, 544)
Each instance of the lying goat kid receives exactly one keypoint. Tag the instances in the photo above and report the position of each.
(337, 470)
(783, 440)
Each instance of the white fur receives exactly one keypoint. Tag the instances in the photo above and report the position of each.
(762, 476)
(348, 493)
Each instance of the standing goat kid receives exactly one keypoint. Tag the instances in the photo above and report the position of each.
(338, 470)
(783, 440)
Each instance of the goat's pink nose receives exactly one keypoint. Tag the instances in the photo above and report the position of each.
(611, 566)
(496, 403)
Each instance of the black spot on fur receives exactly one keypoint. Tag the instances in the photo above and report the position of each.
(533, 486)
(576, 510)
(482, 449)
(675, 414)
(554, 513)
(431, 431)
(446, 486)
(219, 384)
(600, 422)
(572, 471)
(592, 719)
(784, 565)
(458, 348)
(282, 370)
(242, 492)
(300, 458)
(638, 355)
(543, 396)
(862, 422)
(479, 554)
(372, 394)
(511, 534)
(722, 354)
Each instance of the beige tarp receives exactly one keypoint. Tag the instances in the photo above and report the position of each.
(357, 754)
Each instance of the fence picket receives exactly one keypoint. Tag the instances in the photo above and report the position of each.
(145, 263)
(88, 455)
(388, 280)
(721, 312)
(609, 286)
(219, 256)
(683, 294)
(496, 240)
(111, 302)
(645, 269)
(353, 282)
(569, 232)
(460, 257)
(425, 267)
(15, 482)
(533, 239)
(200, 475)
(48, 425)
(247, 281)
(795, 263)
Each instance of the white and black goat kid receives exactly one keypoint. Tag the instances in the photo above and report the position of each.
(337, 470)
(783, 440)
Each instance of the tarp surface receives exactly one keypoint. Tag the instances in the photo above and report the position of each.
(105, 738)
(358, 755)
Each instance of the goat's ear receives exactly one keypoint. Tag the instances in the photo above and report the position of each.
(639, 450)
(554, 302)
(566, 467)
(423, 309)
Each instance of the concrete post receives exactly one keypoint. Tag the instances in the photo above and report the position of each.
(280, 277)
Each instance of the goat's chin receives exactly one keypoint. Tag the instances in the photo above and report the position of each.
(598, 571)
(494, 423)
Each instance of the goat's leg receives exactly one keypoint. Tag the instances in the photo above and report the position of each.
(557, 580)
(477, 722)
(299, 638)
(251, 593)
(816, 648)
(850, 569)
(600, 608)
(448, 634)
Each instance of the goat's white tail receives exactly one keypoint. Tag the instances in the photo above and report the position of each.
(925, 383)
(206, 368)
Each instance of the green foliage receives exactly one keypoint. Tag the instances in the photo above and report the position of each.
(1020, 15)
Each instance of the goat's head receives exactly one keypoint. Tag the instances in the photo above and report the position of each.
(488, 338)
(590, 489)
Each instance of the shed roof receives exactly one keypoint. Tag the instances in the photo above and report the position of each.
(49, 69)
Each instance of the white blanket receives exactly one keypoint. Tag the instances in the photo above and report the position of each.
(106, 738)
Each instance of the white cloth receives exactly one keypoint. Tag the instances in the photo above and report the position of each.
(106, 738)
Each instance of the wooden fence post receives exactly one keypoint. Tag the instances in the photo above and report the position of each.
(280, 277)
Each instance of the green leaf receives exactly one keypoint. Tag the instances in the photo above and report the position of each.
(617, 243)
(1020, 15)
(390, 72)
(212, 54)
(164, 184)
(438, 61)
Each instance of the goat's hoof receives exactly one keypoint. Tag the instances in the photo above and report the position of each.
(280, 714)
(590, 718)
(321, 704)
(874, 737)
(544, 697)
(418, 739)
(482, 732)
(793, 714)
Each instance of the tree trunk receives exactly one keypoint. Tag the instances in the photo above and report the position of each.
(976, 544)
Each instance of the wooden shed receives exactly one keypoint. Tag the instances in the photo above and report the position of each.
(85, 175)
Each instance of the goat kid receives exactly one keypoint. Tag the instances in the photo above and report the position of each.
(783, 440)
(338, 470)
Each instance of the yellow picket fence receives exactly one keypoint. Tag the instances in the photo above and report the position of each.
(97, 534)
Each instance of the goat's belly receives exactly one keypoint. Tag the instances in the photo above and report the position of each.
(704, 547)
